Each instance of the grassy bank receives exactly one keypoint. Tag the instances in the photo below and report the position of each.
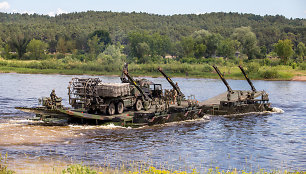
(131, 167)
(173, 69)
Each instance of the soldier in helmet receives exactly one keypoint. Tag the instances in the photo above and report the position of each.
(174, 95)
(53, 97)
(167, 98)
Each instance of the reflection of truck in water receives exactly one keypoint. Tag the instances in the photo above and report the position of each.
(94, 96)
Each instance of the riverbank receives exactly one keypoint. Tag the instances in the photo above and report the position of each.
(57, 167)
(280, 72)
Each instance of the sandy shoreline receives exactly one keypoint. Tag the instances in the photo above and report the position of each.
(299, 78)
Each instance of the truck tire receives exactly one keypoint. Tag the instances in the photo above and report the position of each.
(138, 105)
(146, 105)
(111, 109)
(120, 108)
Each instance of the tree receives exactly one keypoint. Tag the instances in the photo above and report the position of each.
(37, 48)
(284, 49)
(248, 41)
(187, 45)
(207, 39)
(19, 43)
(199, 51)
(112, 56)
(95, 47)
(212, 42)
(227, 48)
(159, 44)
(134, 39)
(61, 45)
(142, 50)
(103, 38)
(301, 50)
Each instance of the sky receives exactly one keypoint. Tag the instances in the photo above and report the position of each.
(287, 8)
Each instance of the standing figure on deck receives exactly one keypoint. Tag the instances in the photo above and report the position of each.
(167, 98)
(174, 95)
(53, 97)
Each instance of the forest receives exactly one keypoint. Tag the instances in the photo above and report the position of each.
(111, 38)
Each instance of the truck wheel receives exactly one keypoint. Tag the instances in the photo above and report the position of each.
(138, 105)
(147, 105)
(120, 108)
(111, 109)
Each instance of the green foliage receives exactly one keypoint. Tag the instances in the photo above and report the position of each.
(187, 45)
(227, 48)
(181, 36)
(253, 68)
(103, 37)
(95, 47)
(212, 43)
(303, 66)
(284, 49)
(270, 74)
(143, 50)
(3, 165)
(207, 68)
(248, 41)
(200, 50)
(112, 57)
(19, 43)
(78, 169)
(301, 50)
(147, 48)
(37, 49)
(293, 65)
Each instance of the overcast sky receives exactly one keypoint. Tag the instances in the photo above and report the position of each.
(287, 8)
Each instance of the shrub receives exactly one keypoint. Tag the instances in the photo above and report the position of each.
(78, 169)
(3, 62)
(3, 165)
(269, 74)
(293, 65)
(266, 62)
(253, 68)
(207, 68)
(303, 66)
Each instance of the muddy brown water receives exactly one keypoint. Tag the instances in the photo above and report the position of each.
(251, 141)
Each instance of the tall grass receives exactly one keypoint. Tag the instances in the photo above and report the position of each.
(3, 165)
(81, 169)
(257, 69)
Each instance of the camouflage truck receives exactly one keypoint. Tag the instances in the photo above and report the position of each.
(94, 96)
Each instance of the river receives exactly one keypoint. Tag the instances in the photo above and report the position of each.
(251, 141)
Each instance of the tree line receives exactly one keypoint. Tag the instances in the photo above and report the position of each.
(145, 38)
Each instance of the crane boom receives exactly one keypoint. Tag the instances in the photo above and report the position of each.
(229, 89)
(247, 78)
(175, 87)
(146, 97)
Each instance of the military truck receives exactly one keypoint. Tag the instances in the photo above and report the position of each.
(94, 96)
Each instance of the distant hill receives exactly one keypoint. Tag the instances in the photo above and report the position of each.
(268, 29)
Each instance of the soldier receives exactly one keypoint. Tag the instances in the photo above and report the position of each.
(170, 96)
(166, 97)
(53, 97)
(228, 96)
(174, 95)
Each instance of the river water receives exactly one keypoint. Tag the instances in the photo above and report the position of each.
(251, 141)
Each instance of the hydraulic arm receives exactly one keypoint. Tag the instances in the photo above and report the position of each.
(247, 78)
(229, 89)
(146, 97)
(175, 87)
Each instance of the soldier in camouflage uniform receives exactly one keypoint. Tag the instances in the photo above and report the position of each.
(167, 98)
(53, 97)
(174, 95)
